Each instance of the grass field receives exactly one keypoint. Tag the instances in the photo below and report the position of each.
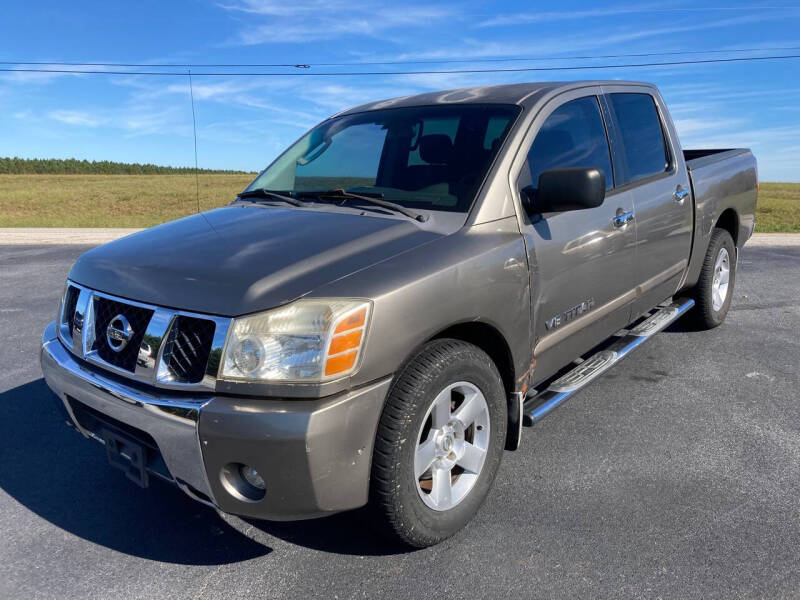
(145, 200)
(110, 200)
(778, 208)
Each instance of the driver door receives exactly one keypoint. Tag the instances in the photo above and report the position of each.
(581, 261)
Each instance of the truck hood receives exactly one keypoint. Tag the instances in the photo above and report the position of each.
(243, 258)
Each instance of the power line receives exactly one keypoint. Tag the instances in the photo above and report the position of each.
(573, 57)
(397, 62)
(168, 65)
(419, 72)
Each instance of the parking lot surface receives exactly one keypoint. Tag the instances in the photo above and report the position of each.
(676, 474)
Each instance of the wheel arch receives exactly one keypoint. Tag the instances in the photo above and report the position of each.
(729, 221)
(489, 339)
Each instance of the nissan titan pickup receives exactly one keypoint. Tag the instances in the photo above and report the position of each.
(373, 320)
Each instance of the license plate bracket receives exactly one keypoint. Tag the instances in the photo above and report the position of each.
(127, 455)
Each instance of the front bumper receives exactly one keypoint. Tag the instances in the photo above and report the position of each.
(314, 455)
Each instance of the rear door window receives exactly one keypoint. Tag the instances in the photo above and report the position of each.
(641, 135)
(574, 135)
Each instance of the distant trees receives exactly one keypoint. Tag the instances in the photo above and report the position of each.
(73, 166)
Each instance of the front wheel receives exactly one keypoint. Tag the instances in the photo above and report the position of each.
(439, 443)
(714, 290)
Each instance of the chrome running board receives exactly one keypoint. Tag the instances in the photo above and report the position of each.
(536, 407)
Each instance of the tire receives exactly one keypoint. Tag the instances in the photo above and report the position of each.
(446, 376)
(713, 300)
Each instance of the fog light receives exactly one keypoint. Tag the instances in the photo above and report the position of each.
(243, 482)
(251, 476)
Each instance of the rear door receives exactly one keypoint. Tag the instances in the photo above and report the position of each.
(581, 261)
(651, 167)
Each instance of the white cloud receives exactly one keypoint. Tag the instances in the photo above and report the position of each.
(775, 148)
(698, 25)
(471, 48)
(130, 119)
(145, 120)
(298, 21)
(22, 77)
(551, 16)
(288, 101)
(525, 52)
(688, 128)
(45, 73)
(77, 117)
(280, 8)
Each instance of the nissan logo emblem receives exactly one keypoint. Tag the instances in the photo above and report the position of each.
(118, 333)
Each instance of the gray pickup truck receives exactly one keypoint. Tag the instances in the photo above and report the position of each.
(374, 319)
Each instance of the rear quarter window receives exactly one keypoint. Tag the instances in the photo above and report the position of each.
(641, 135)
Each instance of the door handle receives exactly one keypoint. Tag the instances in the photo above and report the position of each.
(680, 194)
(622, 218)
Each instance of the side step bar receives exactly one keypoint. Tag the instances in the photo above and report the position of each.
(541, 404)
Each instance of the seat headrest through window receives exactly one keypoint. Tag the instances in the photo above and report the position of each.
(436, 149)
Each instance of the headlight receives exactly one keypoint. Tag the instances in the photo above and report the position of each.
(309, 340)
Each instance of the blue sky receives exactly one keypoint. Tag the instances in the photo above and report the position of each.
(243, 122)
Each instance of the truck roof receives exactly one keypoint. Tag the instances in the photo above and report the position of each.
(513, 93)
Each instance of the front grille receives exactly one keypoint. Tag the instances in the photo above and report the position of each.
(167, 348)
(188, 347)
(105, 310)
(70, 302)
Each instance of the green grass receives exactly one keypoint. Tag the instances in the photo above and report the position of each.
(146, 200)
(778, 208)
(110, 200)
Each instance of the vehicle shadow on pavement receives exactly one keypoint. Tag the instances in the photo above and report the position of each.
(53, 471)
(62, 477)
(344, 533)
(685, 324)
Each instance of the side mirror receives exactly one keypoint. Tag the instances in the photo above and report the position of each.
(567, 188)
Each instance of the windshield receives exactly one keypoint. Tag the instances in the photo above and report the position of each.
(428, 157)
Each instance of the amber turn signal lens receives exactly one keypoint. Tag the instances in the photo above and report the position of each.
(357, 319)
(341, 363)
(346, 341)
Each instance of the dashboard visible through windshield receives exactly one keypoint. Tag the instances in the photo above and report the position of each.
(428, 157)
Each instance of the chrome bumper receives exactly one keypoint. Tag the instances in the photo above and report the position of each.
(172, 424)
(314, 454)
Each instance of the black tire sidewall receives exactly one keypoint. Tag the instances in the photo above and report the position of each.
(706, 314)
(414, 391)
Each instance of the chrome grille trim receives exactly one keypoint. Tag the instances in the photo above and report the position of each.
(188, 341)
(152, 363)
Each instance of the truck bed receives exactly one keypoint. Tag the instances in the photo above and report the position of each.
(724, 186)
(700, 158)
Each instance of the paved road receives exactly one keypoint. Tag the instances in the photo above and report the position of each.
(675, 475)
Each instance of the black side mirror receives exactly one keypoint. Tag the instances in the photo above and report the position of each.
(567, 188)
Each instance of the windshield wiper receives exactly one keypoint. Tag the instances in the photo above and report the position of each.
(373, 198)
(269, 195)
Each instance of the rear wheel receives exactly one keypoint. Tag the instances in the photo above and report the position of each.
(714, 290)
(439, 443)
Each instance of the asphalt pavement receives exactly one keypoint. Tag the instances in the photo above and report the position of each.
(676, 474)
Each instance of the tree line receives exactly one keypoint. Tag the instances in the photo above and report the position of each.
(73, 166)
